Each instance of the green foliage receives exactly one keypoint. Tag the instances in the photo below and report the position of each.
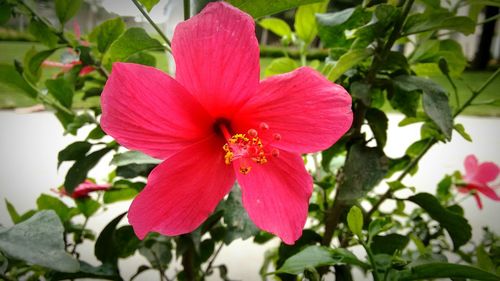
(43, 33)
(47, 202)
(133, 157)
(38, 240)
(276, 26)
(61, 90)
(355, 221)
(149, 4)
(280, 65)
(434, 19)
(305, 21)
(106, 33)
(236, 218)
(457, 226)
(347, 61)
(260, 8)
(9, 76)
(66, 9)
(445, 270)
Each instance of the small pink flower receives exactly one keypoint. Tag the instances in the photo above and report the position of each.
(477, 176)
(216, 123)
(65, 67)
(83, 189)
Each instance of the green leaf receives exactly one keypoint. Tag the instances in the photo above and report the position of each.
(355, 221)
(10, 77)
(104, 271)
(417, 147)
(334, 150)
(106, 33)
(47, 202)
(134, 40)
(348, 61)
(440, 19)
(379, 225)
(388, 244)
(332, 26)
(143, 58)
(149, 4)
(127, 241)
(14, 215)
(106, 248)
(61, 90)
(457, 226)
(379, 124)
(280, 65)
(133, 157)
(276, 26)
(96, 134)
(87, 206)
(74, 151)
(461, 130)
(406, 102)
(158, 251)
(38, 240)
(42, 33)
(365, 167)
(5, 12)
(316, 256)
(260, 8)
(305, 21)
(78, 172)
(236, 218)
(435, 100)
(34, 62)
(119, 194)
(66, 9)
(483, 259)
(445, 270)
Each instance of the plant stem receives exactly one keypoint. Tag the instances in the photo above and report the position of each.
(148, 18)
(79, 237)
(187, 9)
(209, 266)
(372, 261)
(433, 141)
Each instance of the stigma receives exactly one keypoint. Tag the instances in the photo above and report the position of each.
(249, 149)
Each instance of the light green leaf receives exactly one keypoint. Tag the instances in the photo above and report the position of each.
(39, 240)
(355, 221)
(280, 65)
(61, 90)
(276, 26)
(106, 33)
(133, 157)
(47, 202)
(149, 4)
(10, 77)
(134, 40)
(66, 9)
(42, 33)
(119, 194)
(87, 206)
(260, 8)
(305, 20)
(461, 130)
(348, 61)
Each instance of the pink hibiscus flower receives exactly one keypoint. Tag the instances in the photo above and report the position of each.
(216, 123)
(477, 176)
(83, 189)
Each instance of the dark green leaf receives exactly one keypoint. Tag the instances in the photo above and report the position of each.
(42, 33)
(236, 218)
(280, 65)
(435, 100)
(149, 4)
(143, 58)
(348, 61)
(92, 92)
(106, 33)
(158, 251)
(331, 26)
(104, 271)
(355, 221)
(34, 62)
(483, 259)
(276, 26)
(432, 20)
(365, 167)
(388, 244)
(47, 202)
(14, 215)
(10, 77)
(379, 225)
(126, 241)
(133, 157)
(260, 8)
(106, 248)
(134, 40)
(378, 123)
(445, 270)
(443, 192)
(66, 9)
(87, 206)
(406, 102)
(38, 240)
(457, 226)
(78, 172)
(61, 90)
(74, 151)
(334, 150)
(5, 12)
(134, 170)
(96, 133)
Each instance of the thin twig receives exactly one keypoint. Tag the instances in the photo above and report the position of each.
(209, 266)
(187, 9)
(153, 24)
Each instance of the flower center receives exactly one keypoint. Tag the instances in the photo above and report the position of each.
(248, 148)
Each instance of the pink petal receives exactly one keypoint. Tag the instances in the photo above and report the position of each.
(478, 200)
(471, 165)
(145, 109)
(486, 172)
(308, 111)
(488, 192)
(217, 57)
(83, 189)
(276, 195)
(183, 190)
